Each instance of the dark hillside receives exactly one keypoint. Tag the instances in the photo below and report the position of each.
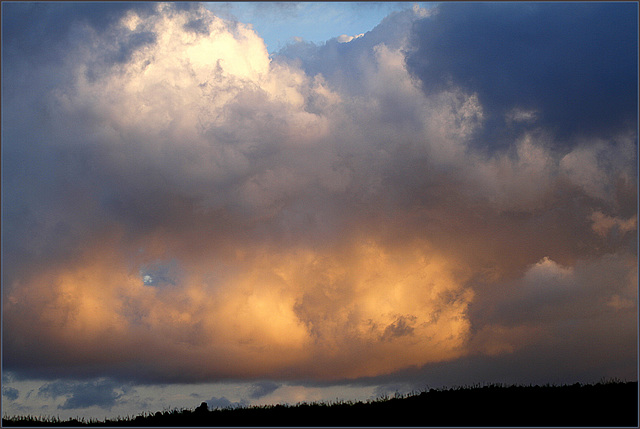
(607, 405)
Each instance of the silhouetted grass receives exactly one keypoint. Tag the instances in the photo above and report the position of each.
(607, 404)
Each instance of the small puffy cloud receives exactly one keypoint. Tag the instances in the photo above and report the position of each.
(10, 393)
(264, 388)
(421, 12)
(223, 403)
(581, 166)
(521, 115)
(603, 224)
(546, 272)
(346, 39)
(620, 303)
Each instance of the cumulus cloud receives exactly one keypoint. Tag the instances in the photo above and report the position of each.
(191, 209)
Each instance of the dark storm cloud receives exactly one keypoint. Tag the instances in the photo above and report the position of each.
(574, 64)
(102, 393)
(42, 30)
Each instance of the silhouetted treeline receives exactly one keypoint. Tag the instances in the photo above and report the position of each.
(602, 404)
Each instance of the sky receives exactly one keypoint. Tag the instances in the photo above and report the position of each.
(283, 202)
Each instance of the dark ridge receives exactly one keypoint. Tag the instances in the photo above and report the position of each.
(609, 404)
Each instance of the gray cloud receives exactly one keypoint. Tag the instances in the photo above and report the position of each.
(258, 390)
(401, 326)
(222, 403)
(103, 393)
(10, 393)
(549, 291)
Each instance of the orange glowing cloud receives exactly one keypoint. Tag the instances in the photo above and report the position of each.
(362, 310)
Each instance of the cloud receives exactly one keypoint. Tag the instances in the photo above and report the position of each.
(190, 209)
(346, 65)
(10, 393)
(346, 39)
(403, 325)
(577, 67)
(102, 393)
(161, 273)
(556, 308)
(603, 224)
(258, 390)
(224, 403)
